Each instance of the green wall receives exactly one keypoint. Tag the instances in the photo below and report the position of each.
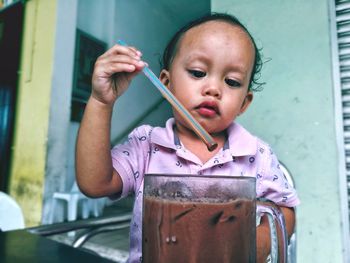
(295, 112)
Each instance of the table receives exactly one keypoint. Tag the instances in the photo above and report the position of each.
(21, 246)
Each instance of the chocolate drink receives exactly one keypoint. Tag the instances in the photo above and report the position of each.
(198, 232)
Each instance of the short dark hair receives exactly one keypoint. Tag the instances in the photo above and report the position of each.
(170, 50)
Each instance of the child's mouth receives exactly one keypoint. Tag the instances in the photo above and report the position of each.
(208, 109)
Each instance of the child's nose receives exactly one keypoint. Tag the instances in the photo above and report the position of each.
(212, 89)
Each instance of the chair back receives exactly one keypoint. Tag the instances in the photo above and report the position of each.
(11, 216)
(292, 248)
(287, 174)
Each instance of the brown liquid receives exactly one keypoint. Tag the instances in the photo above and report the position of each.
(198, 232)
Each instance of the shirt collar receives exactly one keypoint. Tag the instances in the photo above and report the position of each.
(165, 136)
(239, 143)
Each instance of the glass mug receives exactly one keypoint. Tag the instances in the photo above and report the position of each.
(195, 218)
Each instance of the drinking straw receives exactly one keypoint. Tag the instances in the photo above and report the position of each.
(196, 127)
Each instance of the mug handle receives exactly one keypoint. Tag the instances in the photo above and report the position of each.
(274, 214)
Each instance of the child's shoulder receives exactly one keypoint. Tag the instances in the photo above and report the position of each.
(237, 132)
(142, 132)
(155, 131)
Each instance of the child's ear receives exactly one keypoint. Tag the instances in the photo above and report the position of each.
(164, 77)
(247, 100)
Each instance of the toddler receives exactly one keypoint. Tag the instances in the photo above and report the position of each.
(211, 66)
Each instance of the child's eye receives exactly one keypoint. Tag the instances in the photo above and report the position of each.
(197, 73)
(232, 83)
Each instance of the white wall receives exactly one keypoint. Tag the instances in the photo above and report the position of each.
(59, 125)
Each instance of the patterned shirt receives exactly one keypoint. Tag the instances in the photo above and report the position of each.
(154, 150)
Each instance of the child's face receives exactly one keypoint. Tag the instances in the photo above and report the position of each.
(210, 74)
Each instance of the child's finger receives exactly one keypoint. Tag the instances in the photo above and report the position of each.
(138, 52)
(116, 68)
(120, 63)
(120, 59)
(124, 59)
(110, 70)
(118, 49)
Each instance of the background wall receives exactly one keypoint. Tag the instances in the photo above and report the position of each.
(295, 112)
(61, 91)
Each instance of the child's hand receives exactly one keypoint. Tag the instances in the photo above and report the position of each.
(113, 72)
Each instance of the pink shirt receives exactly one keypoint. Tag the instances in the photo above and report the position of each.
(159, 150)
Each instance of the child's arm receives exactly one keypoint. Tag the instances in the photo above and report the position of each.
(263, 241)
(112, 75)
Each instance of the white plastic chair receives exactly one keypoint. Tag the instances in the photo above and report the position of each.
(11, 216)
(293, 241)
(72, 200)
